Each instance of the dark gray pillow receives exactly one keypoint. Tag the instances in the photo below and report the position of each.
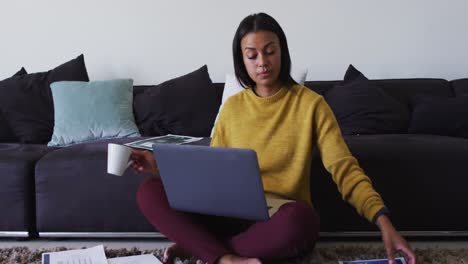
(6, 135)
(460, 87)
(363, 108)
(352, 74)
(440, 116)
(22, 71)
(186, 105)
(28, 108)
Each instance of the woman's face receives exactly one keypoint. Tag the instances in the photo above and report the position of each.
(261, 53)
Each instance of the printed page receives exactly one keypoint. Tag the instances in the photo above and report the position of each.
(140, 259)
(167, 139)
(94, 255)
(374, 261)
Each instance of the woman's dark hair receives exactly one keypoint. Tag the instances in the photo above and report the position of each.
(255, 23)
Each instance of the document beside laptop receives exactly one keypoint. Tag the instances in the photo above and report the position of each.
(167, 139)
(373, 261)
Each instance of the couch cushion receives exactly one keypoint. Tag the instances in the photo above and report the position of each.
(17, 163)
(321, 87)
(460, 87)
(441, 116)
(186, 105)
(417, 175)
(361, 107)
(22, 71)
(6, 135)
(28, 108)
(148, 110)
(91, 111)
(74, 193)
(406, 90)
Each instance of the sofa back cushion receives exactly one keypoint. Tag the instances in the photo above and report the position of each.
(406, 90)
(186, 105)
(361, 107)
(460, 87)
(22, 71)
(6, 135)
(28, 108)
(321, 87)
(91, 111)
(443, 117)
(403, 90)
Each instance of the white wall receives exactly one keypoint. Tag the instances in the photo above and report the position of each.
(153, 40)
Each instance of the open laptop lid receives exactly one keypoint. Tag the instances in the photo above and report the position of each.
(212, 180)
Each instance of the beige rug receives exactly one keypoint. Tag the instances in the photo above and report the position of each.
(328, 255)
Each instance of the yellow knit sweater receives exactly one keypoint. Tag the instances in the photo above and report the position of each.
(283, 129)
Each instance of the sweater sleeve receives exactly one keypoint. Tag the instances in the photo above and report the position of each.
(355, 187)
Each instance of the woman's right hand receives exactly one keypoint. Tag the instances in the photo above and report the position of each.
(143, 161)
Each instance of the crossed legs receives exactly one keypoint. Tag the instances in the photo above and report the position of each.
(292, 230)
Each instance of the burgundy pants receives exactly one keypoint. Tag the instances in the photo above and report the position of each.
(292, 230)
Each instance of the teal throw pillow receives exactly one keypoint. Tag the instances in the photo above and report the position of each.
(90, 111)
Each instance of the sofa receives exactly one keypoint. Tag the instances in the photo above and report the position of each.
(66, 192)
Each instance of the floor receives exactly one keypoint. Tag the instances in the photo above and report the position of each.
(79, 243)
(161, 243)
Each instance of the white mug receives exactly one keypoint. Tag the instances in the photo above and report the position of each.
(118, 158)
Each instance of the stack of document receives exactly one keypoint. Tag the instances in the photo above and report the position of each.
(94, 255)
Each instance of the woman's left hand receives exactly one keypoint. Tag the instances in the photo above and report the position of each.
(394, 242)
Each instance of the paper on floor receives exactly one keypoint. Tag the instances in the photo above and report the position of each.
(94, 255)
(140, 259)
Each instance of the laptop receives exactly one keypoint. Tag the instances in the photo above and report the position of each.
(214, 181)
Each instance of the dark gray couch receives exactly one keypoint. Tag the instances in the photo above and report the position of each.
(66, 192)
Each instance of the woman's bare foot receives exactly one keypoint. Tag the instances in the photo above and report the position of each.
(233, 259)
(174, 251)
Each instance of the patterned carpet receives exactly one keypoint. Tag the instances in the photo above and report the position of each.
(326, 255)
